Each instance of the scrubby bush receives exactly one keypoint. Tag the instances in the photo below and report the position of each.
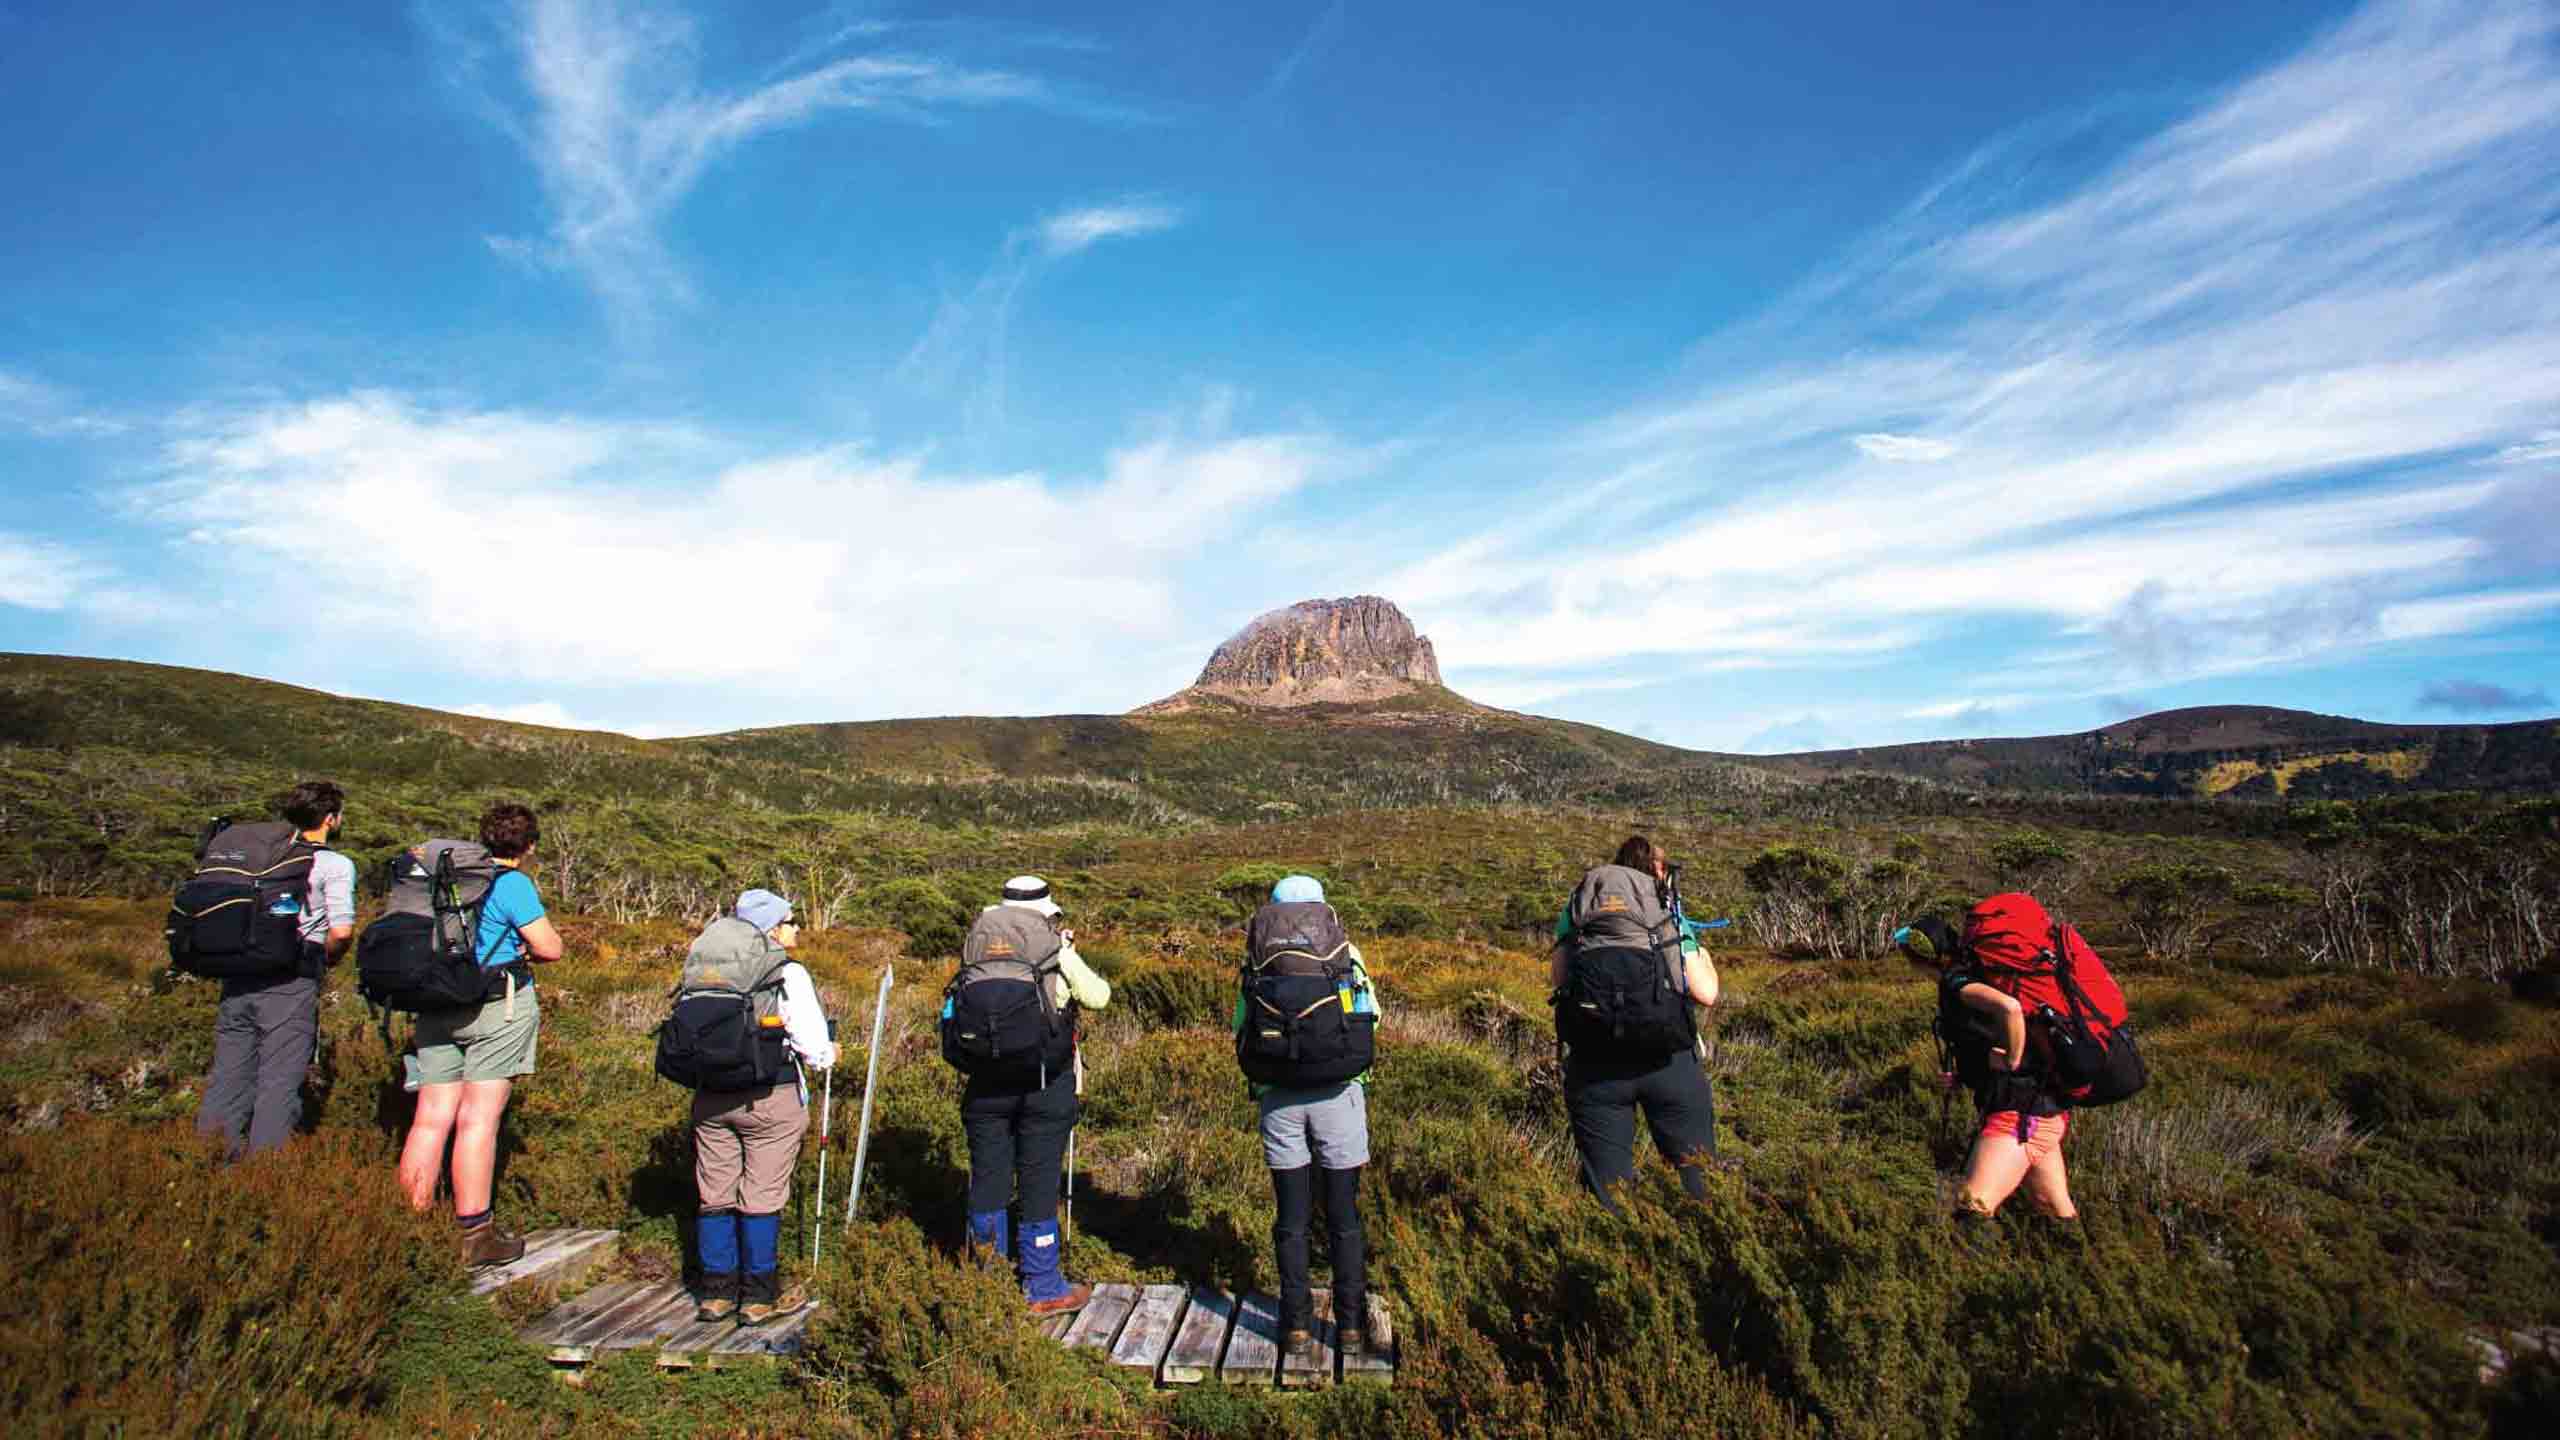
(935, 923)
(156, 1291)
(2170, 905)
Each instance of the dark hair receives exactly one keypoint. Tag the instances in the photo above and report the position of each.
(311, 803)
(1639, 853)
(509, 830)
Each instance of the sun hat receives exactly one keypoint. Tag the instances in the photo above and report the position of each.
(763, 909)
(1031, 893)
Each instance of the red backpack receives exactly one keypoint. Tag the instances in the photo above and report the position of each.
(2077, 1021)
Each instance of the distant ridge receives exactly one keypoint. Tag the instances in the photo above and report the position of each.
(2235, 751)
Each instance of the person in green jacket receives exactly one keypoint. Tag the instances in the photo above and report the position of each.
(1306, 1020)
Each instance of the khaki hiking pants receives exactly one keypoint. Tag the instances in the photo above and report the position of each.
(745, 1145)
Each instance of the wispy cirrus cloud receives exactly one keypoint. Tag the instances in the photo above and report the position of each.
(49, 411)
(42, 574)
(2212, 408)
(607, 101)
(965, 347)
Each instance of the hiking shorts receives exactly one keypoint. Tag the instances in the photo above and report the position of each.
(2040, 1134)
(1327, 1126)
(483, 1044)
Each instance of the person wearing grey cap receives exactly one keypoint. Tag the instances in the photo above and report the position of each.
(746, 1141)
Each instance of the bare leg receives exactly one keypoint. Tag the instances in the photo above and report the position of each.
(2050, 1188)
(422, 1156)
(1999, 1162)
(475, 1143)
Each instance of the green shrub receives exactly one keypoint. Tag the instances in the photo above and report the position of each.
(934, 923)
(160, 1292)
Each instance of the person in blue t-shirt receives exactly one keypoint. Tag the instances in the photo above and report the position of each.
(468, 1059)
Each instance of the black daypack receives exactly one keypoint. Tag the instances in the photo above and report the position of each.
(725, 1032)
(1300, 1026)
(423, 953)
(240, 915)
(1626, 993)
(999, 1018)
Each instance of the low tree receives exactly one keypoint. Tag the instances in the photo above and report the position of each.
(2170, 905)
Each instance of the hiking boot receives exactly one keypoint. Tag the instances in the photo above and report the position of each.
(718, 1298)
(1298, 1345)
(757, 1311)
(1351, 1342)
(1073, 1299)
(489, 1245)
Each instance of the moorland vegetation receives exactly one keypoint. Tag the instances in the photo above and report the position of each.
(2340, 1194)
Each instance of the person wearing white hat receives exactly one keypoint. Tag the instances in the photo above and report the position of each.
(1008, 1024)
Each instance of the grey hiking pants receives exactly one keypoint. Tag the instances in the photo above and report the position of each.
(264, 1035)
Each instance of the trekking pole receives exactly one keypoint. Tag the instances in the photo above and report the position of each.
(826, 1115)
(1071, 1184)
(870, 1087)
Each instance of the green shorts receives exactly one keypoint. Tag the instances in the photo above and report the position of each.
(482, 1044)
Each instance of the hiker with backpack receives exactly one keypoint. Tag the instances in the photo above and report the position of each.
(1009, 1025)
(746, 1019)
(2032, 1024)
(289, 903)
(1627, 967)
(1306, 1024)
(469, 1054)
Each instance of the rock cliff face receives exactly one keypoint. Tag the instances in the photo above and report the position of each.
(1317, 652)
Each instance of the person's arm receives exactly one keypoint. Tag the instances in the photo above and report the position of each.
(1556, 956)
(541, 941)
(804, 1024)
(2012, 1017)
(1083, 986)
(1704, 986)
(338, 905)
(1364, 989)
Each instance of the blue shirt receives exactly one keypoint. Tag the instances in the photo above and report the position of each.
(512, 904)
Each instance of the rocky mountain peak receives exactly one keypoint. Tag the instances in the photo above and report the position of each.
(1347, 651)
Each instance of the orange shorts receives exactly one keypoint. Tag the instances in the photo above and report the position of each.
(2040, 1134)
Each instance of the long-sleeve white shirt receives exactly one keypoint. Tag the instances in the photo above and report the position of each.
(804, 1025)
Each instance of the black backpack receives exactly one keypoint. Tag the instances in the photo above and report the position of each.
(423, 953)
(725, 1033)
(1625, 995)
(1300, 1028)
(999, 1019)
(240, 915)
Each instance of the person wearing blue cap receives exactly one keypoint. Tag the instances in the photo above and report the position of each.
(746, 1141)
(1306, 1024)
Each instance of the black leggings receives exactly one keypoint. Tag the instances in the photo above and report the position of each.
(1018, 1144)
(1296, 1192)
(1679, 1107)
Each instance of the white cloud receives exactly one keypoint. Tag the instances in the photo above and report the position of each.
(620, 127)
(42, 575)
(1078, 230)
(515, 547)
(2336, 281)
(49, 411)
(2542, 447)
(549, 713)
(1885, 446)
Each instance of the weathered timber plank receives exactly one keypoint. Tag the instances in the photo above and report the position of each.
(1099, 1322)
(1057, 1326)
(562, 1257)
(1312, 1371)
(671, 1310)
(1253, 1350)
(1376, 1363)
(1200, 1339)
(774, 1337)
(1144, 1339)
(679, 1347)
(571, 1315)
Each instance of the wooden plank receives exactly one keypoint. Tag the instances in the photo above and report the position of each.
(1200, 1339)
(1314, 1370)
(671, 1310)
(1057, 1326)
(572, 1314)
(680, 1347)
(1098, 1324)
(1375, 1364)
(1144, 1339)
(774, 1337)
(1253, 1351)
(561, 1257)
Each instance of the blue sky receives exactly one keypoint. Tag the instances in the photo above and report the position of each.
(1745, 377)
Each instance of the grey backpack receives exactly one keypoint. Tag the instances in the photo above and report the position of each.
(998, 1015)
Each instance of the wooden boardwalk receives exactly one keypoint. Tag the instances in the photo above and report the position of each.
(555, 1257)
(640, 1315)
(1185, 1336)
